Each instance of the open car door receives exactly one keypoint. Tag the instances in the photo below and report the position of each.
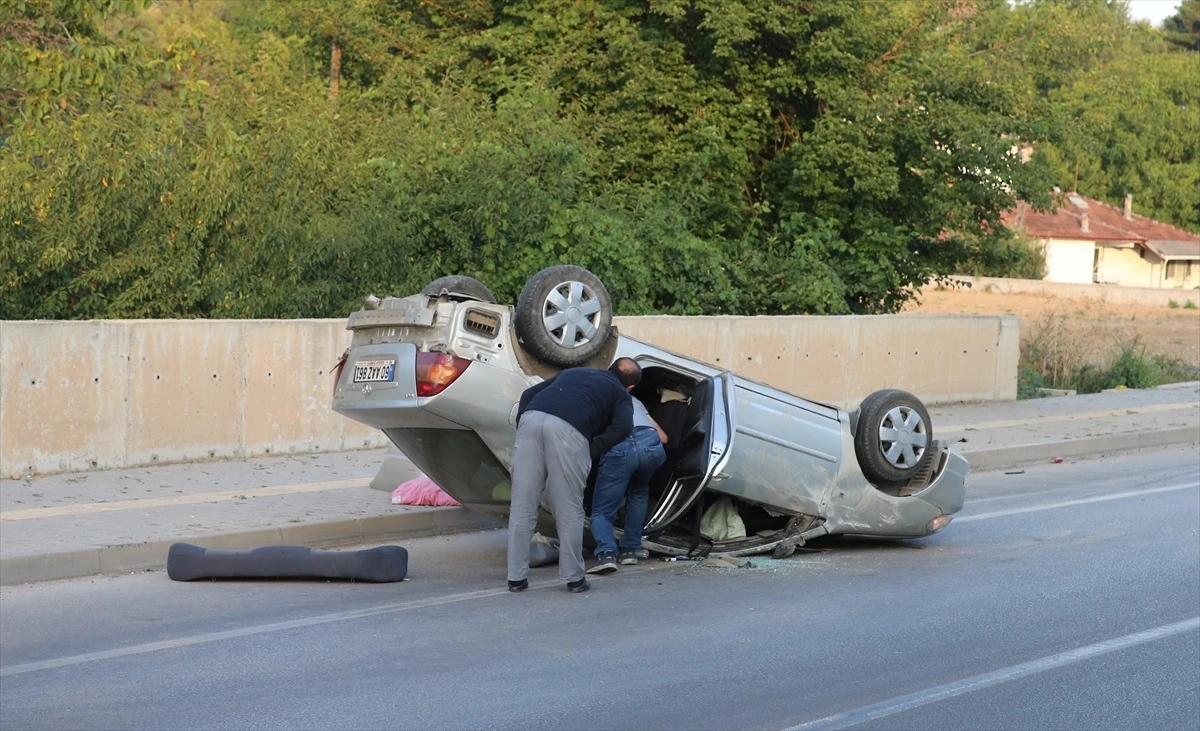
(703, 451)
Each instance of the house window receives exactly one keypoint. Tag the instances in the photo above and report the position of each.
(1182, 269)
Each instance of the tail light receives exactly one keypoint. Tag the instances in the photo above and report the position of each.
(337, 368)
(436, 371)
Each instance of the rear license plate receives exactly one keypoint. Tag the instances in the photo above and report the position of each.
(374, 370)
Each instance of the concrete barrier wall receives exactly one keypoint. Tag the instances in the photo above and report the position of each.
(1114, 293)
(840, 360)
(106, 394)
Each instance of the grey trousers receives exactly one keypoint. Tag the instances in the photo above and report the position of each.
(551, 456)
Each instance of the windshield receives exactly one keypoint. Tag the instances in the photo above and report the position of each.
(458, 461)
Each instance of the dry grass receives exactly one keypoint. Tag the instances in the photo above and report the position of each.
(1057, 348)
(1055, 355)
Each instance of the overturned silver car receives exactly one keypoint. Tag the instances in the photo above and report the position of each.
(441, 373)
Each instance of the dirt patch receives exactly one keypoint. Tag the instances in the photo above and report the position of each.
(1101, 327)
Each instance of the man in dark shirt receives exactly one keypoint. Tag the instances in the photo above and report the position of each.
(563, 425)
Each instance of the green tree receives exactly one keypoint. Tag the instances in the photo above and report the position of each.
(1133, 126)
(849, 113)
(1183, 28)
(247, 158)
(54, 58)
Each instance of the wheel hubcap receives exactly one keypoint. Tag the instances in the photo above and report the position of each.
(902, 437)
(571, 314)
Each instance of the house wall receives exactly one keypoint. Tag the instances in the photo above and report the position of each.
(1181, 275)
(1070, 261)
(1128, 268)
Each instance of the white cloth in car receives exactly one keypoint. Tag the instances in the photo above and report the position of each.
(669, 395)
(721, 522)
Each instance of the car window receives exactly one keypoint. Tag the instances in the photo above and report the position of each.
(458, 461)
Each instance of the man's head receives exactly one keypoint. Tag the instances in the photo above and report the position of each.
(628, 371)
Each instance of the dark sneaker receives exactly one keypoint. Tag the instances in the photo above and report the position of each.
(515, 586)
(629, 558)
(606, 563)
(578, 587)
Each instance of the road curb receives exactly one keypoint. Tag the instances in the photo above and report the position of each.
(153, 554)
(1022, 455)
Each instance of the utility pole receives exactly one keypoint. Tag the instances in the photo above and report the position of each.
(335, 69)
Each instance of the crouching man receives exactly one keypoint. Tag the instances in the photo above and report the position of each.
(624, 474)
(563, 425)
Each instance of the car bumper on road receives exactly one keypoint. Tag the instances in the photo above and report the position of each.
(948, 492)
(861, 509)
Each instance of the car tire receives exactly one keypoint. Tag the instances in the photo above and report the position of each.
(459, 288)
(564, 316)
(886, 441)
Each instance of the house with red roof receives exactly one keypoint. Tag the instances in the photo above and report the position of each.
(1088, 241)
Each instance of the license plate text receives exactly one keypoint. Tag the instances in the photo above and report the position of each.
(374, 370)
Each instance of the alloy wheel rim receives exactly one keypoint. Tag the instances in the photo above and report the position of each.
(903, 437)
(571, 314)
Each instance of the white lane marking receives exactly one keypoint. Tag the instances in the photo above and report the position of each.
(279, 627)
(972, 501)
(1081, 501)
(853, 717)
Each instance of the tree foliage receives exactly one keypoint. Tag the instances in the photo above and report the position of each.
(1132, 125)
(1183, 28)
(282, 158)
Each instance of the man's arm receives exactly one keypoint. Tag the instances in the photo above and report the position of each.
(618, 429)
(529, 393)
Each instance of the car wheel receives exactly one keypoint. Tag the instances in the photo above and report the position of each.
(893, 436)
(564, 316)
(459, 288)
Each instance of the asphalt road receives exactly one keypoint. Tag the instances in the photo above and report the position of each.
(1064, 597)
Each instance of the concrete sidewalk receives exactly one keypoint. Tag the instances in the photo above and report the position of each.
(69, 525)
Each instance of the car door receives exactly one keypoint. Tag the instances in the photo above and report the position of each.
(707, 446)
(787, 453)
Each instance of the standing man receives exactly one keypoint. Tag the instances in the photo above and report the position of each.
(563, 425)
(625, 474)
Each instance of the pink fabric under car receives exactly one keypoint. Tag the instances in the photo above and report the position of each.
(421, 491)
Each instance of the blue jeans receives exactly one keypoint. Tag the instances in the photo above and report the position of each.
(625, 473)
